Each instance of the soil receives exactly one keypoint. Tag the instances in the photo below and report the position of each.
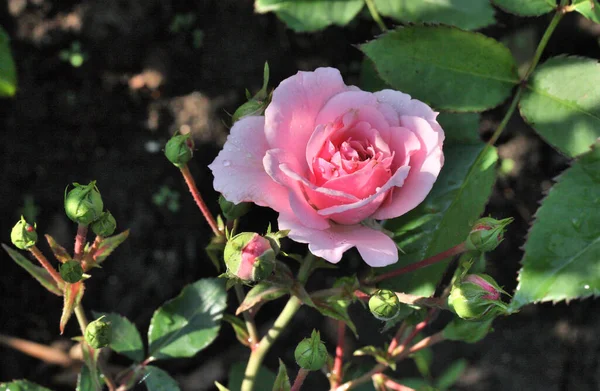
(143, 78)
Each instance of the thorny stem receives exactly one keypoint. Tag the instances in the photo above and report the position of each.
(189, 180)
(302, 374)
(375, 15)
(250, 325)
(459, 248)
(44, 262)
(80, 241)
(560, 12)
(338, 364)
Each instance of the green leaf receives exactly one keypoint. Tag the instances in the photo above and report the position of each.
(21, 385)
(335, 308)
(158, 380)
(466, 14)
(460, 128)
(108, 245)
(526, 8)
(282, 381)
(380, 355)
(449, 68)
(467, 330)
(264, 379)
(444, 218)
(369, 78)
(563, 247)
(188, 323)
(73, 293)
(239, 328)
(423, 359)
(588, 8)
(562, 103)
(126, 338)
(59, 251)
(37, 272)
(221, 387)
(311, 15)
(451, 375)
(86, 382)
(260, 294)
(8, 73)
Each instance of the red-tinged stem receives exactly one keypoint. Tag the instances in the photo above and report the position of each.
(302, 374)
(87, 260)
(337, 373)
(392, 385)
(396, 340)
(80, 241)
(459, 248)
(46, 265)
(189, 180)
(41, 352)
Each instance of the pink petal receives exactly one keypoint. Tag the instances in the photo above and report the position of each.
(376, 248)
(290, 118)
(239, 172)
(404, 105)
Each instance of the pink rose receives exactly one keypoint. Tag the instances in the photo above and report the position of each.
(332, 159)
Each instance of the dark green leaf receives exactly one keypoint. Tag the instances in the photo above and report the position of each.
(563, 247)
(264, 379)
(37, 272)
(190, 322)
(8, 73)
(466, 14)
(73, 293)
(261, 293)
(158, 380)
(460, 128)
(588, 8)
(451, 375)
(86, 382)
(126, 338)
(562, 103)
(369, 78)
(59, 251)
(239, 328)
(282, 381)
(527, 7)
(337, 309)
(108, 245)
(423, 359)
(311, 15)
(21, 385)
(444, 219)
(449, 68)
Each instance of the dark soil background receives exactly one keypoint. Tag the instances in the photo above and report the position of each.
(143, 79)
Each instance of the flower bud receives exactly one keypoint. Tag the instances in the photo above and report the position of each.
(249, 257)
(71, 271)
(83, 203)
(23, 235)
(384, 305)
(476, 297)
(233, 211)
(311, 353)
(105, 225)
(179, 149)
(98, 333)
(486, 234)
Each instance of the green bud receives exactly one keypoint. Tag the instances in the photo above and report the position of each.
(233, 211)
(251, 107)
(249, 257)
(467, 331)
(105, 225)
(71, 271)
(98, 333)
(486, 234)
(476, 297)
(23, 235)
(83, 203)
(384, 305)
(179, 149)
(311, 353)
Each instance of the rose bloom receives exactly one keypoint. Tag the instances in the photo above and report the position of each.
(333, 159)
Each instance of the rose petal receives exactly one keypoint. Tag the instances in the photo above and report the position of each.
(404, 105)
(290, 117)
(430, 134)
(239, 172)
(376, 248)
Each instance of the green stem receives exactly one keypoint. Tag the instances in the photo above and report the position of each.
(250, 325)
(81, 318)
(375, 15)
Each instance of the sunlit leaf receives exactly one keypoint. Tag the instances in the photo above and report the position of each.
(21, 385)
(527, 7)
(282, 381)
(158, 380)
(588, 8)
(59, 251)
(125, 338)
(73, 293)
(8, 73)
(37, 272)
(108, 245)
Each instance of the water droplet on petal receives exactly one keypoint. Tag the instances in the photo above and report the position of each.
(586, 286)
(377, 189)
(226, 163)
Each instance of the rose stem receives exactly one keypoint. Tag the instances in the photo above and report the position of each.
(302, 374)
(375, 15)
(459, 248)
(337, 373)
(41, 352)
(44, 262)
(393, 386)
(80, 241)
(189, 180)
(253, 338)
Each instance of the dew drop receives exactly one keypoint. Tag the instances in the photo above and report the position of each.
(226, 163)
(586, 286)
(377, 189)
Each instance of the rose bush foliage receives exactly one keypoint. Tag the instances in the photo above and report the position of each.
(332, 160)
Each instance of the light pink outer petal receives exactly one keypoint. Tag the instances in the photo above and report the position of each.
(290, 118)
(239, 172)
(404, 105)
(376, 248)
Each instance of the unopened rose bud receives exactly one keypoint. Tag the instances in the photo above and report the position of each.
(98, 333)
(23, 235)
(180, 149)
(83, 203)
(105, 225)
(311, 353)
(384, 305)
(233, 211)
(71, 271)
(476, 297)
(249, 257)
(486, 234)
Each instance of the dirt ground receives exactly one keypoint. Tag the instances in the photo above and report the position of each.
(151, 67)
